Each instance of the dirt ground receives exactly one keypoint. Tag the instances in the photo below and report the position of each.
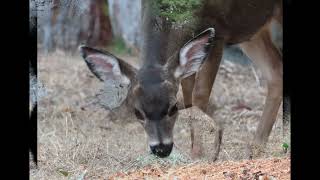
(79, 139)
(265, 169)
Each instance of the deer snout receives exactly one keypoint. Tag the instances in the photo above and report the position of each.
(161, 150)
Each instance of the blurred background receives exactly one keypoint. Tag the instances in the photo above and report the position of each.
(65, 24)
(111, 24)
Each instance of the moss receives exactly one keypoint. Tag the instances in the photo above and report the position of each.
(175, 158)
(105, 9)
(177, 10)
(118, 46)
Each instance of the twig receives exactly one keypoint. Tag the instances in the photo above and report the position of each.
(229, 158)
(66, 126)
(81, 177)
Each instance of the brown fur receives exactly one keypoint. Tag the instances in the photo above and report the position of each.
(248, 23)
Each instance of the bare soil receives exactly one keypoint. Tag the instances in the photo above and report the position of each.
(79, 139)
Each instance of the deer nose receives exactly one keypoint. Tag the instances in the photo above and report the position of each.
(162, 150)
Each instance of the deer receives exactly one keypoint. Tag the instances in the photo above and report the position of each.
(190, 55)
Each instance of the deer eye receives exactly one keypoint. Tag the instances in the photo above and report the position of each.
(173, 110)
(138, 114)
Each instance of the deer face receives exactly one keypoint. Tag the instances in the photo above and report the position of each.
(153, 88)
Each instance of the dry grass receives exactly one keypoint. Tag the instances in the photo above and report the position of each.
(79, 140)
(269, 169)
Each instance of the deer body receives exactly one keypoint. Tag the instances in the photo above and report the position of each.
(172, 54)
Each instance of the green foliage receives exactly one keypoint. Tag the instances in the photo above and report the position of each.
(118, 46)
(285, 147)
(105, 8)
(178, 10)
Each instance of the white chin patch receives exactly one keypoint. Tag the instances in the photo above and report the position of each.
(165, 141)
(154, 143)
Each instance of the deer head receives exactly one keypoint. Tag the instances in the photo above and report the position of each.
(153, 88)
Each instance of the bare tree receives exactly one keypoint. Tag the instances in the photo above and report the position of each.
(125, 20)
(65, 24)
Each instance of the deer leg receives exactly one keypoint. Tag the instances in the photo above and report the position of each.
(206, 76)
(187, 85)
(197, 137)
(201, 93)
(196, 141)
(266, 56)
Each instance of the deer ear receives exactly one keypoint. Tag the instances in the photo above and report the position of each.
(116, 74)
(106, 66)
(193, 54)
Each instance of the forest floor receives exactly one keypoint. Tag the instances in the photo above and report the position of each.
(78, 139)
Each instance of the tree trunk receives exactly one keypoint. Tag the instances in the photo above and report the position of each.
(64, 24)
(125, 20)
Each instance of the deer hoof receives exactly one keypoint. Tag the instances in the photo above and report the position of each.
(196, 152)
